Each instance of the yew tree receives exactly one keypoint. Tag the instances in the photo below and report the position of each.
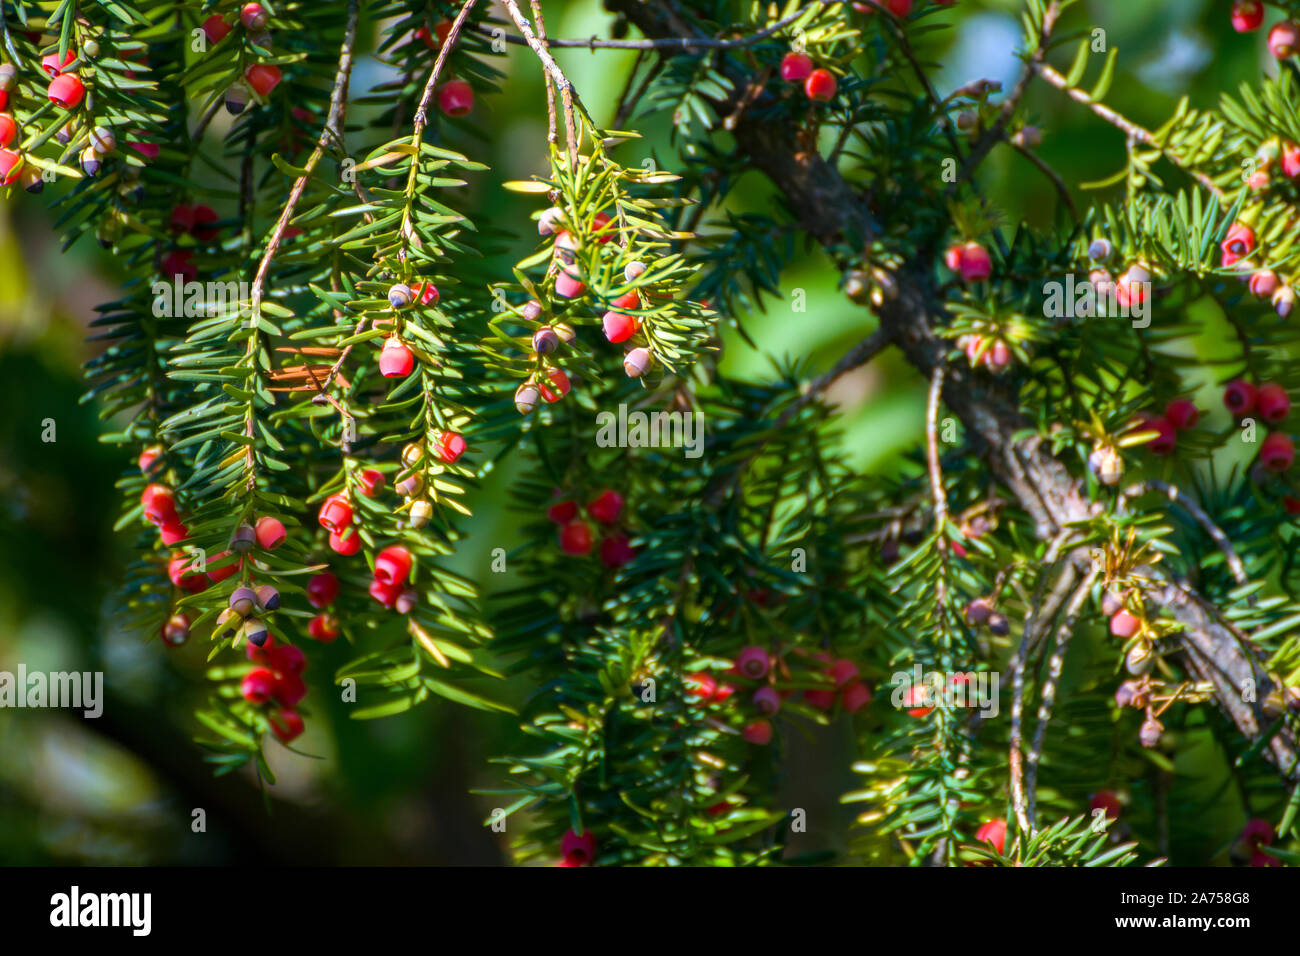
(1078, 588)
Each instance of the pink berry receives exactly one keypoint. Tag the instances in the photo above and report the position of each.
(371, 482)
(606, 507)
(616, 551)
(752, 662)
(451, 446)
(767, 701)
(386, 593)
(820, 85)
(567, 286)
(578, 850)
(821, 699)
(262, 78)
(456, 98)
(1277, 452)
(993, 832)
(1182, 414)
(562, 512)
(1247, 15)
(1239, 243)
(1106, 800)
(843, 672)
(258, 685)
(396, 360)
(856, 696)
(1273, 403)
(322, 589)
(324, 628)
(216, 28)
(335, 513)
(1284, 40)
(795, 67)
(270, 532)
(702, 685)
(287, 725)
(1239, 398)
(345, 542)
(1124, 624)
(393, 565)
(575, 538)
(1165, 439)
(759, 733)
(619, 327)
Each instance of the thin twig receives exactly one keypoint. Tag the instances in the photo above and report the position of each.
(1054, 668)
(568, 96)
(1133, 130)
(1062, 190)
(1203, 519)
(550, 90)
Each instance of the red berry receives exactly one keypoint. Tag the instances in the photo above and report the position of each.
(575, 538)
(323, 628)
(821, 699)
(286, 725)
(1123, 624)
(204, 216)
(456, 98)
(11, 166)
(912, 697)
(562, 512)
(702, 685)
(558, 388)
(1276, 452)
(182, 218)
(53, 66)
(600, 227)
(322, 589)
(270, 532)
(286, 659)
(216, 28)
(856, 696)
(759, 732)
(289, 689)
(752, 662)
(159, 505)
(253, 17)
(1239, 398)
(177, 264)
(820, 85)
(396, 360)
(619, 327)
(615, 551)
(451, 446)
(795, 67)
(178, 569)
(1257, 833)
(371, 481)
(66, 91)
(568, 287)
(1273, 403)
(1165, 439)
(426, 293)
(723, 693)
(393, 565)
(385, 593)
(1247, 15)
(173, 532)
(767, 701)
(578, 850)
(1284, 40)
(843, 672)
(1106, 800)
(1182, 414)
(606, 507)
(335, 513)
(1239, 243)
(8, 129)
(262, 78)
(221, 567)
(347, 542)
(258, 685)
(993, 832)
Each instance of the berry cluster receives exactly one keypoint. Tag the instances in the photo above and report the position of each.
(818, 84)
(276, 683)
(575, 534)
(1179, 415)
(322, 590)
(261, 78)
(396, 360)
(1271, 403)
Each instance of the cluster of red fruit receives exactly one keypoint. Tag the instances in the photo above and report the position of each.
(575, 534)
(196, 221)
(1180, 415)
(455, 97)
(262, 78)
(393, 567)
(1255, 835)
(1283, 39)
(396, 360)
(818, 84)
(66, 91)
(1130, 287)
(277, 682)
(1272, 403)
(1240, 242)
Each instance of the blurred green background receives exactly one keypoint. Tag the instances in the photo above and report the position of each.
(123, 788)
